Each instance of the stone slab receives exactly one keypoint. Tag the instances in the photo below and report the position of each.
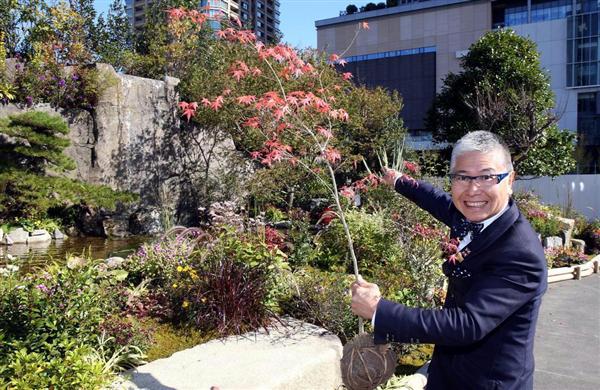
(297, 356)
(44, 237)
(553, 242)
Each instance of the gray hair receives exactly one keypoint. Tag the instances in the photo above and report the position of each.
(480, 141)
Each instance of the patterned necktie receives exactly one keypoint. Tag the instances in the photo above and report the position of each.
(464, 227)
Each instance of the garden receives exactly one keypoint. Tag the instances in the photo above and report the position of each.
(311, 217)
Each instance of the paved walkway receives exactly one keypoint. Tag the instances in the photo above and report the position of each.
(567, 343)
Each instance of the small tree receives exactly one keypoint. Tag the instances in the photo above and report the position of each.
(34, 141)
(503, 89)
(370, 7)
(381, 5)
(391, 3)
(114, 36)
(351, 9)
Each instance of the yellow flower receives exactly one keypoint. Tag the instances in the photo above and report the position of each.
(175, 285)
(179, 268)
(203, 300)
(185, 304)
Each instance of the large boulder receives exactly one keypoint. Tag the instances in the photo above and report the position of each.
(17, 236)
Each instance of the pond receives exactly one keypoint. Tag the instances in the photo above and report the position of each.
(56, 250)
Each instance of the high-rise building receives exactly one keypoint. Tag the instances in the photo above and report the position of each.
(411, 48)
(261, 16)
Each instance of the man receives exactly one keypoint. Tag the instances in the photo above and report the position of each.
(484, 334)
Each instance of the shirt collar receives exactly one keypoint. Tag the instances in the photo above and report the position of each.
(488, 222)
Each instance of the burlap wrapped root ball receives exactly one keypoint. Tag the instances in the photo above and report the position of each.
(366, 365)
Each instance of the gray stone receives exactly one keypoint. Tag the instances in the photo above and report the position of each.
(7, 240)
(89, 221)
(301, 356)
(40, 236)
(18, 236)
(283, 225)
(145, 222)
(578, 245)
(567, 226)
(39, 232)
(114, 262)
(116, 227)
(1, 234)
(72, 231)
(553, 242)
(58, 235)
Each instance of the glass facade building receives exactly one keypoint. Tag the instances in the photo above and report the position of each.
(582, 49)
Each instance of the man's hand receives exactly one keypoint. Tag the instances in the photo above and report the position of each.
(390, 176)
(365, 297)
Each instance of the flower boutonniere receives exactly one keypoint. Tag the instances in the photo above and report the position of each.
(450, 250)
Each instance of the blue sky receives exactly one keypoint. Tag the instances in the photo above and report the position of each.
(297, 17)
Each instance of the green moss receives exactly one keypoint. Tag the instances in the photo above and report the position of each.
(415, 358)
(168, 339)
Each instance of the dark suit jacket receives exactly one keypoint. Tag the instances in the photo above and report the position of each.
(484, 334)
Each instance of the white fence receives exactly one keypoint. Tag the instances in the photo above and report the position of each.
(580, 192)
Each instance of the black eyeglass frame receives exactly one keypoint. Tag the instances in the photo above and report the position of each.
(498, 176)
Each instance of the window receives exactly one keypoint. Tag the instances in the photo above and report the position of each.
(583, 57)
(588, 132)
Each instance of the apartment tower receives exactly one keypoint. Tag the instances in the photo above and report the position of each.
(261, 16)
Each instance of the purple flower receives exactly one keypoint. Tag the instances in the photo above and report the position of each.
(43, 288)
(29, 101)
(61, 83)
(42, 78)
(75, 77)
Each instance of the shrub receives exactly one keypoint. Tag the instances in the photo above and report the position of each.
(540, 216)
(415, 278)
(157, 262)
(321, 298)
(228, 296)
(78, 368)
(49, 326)
(564, 257)
(375, 237)
(302, 249)
(41, 140)
(32, 196)
(591, 235)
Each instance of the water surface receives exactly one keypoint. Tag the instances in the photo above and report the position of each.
(57, 250)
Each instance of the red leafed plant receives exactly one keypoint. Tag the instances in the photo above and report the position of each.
(297, 120)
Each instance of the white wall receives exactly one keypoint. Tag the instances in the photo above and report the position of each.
(582, 191)
(551, 39)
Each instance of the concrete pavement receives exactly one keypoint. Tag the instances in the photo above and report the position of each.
(567, 342)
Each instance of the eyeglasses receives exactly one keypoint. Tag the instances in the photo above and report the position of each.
(481, 180)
